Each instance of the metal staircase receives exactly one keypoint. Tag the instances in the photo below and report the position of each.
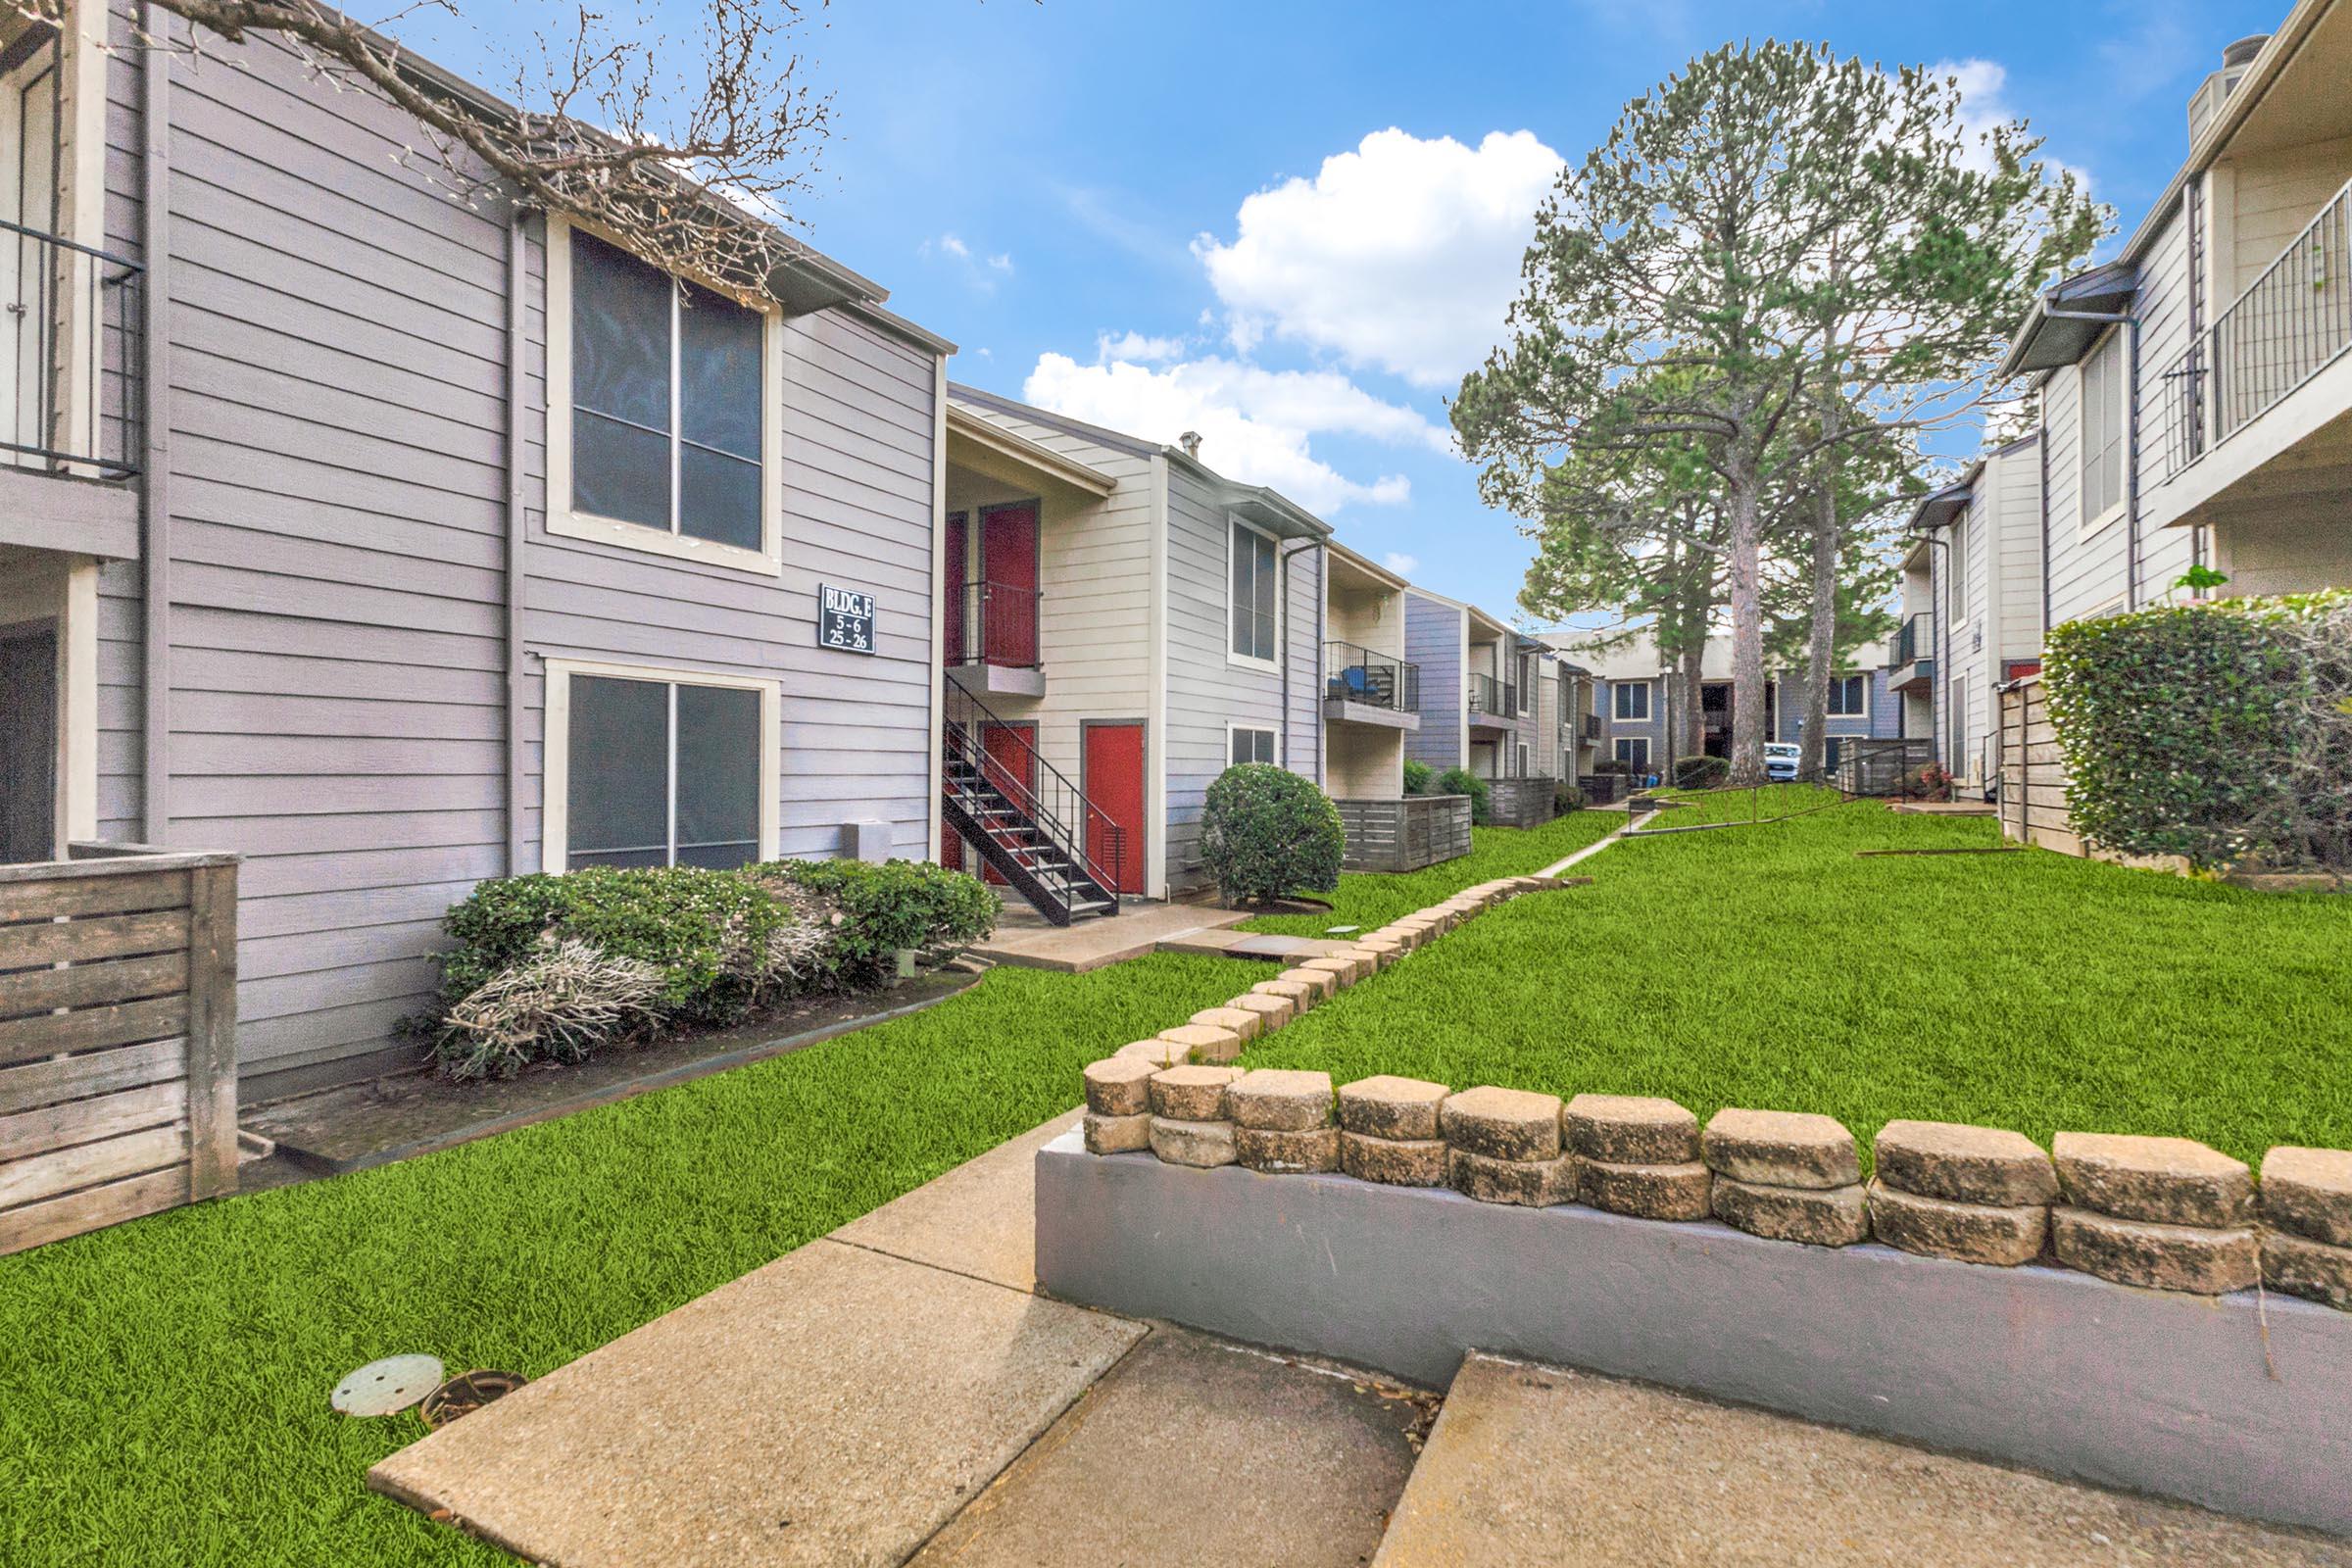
(1024, 817)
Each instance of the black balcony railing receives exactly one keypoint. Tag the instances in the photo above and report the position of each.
(2295, 320)
(1591, 725)
(1497, 699)
(71, 319)
(991, 623)
(1377, 680)
(1916, 640)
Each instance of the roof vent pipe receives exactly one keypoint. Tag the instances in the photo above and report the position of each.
(1191, 442)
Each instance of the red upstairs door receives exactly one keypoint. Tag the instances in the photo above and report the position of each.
(1112, 776)
(1009, 565)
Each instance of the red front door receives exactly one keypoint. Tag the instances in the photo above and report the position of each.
(1009, 565)
(953, 649)
(1112, 778)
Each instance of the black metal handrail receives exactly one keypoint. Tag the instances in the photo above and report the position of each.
(1496, 697)
(1058, 809)
(992, 624)
(1590, 725)
(1356, 674)
(1916, 639)
(2291, 322)
(72, 321)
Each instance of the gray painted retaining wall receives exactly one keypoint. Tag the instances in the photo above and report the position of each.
(2146, 1390)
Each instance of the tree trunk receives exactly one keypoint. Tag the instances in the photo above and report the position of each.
(1821, 648)
(1690, 738)
(1748, 620)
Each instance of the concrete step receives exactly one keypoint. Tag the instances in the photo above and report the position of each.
(1533, 1466)
(1193, 1450)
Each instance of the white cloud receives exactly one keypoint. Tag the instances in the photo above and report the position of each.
(1983, 104)
(1402, 253)
(954, 247)
(1136, 348)
(1256, 424)
(981, 272)
(1402, 564)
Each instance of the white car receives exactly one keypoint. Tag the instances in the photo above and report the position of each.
(1779, 761)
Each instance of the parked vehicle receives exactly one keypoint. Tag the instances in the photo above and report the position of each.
(1779, 761)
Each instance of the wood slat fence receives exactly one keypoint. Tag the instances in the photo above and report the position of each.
(118, 1037)
(1405, 834)
(2034, 808)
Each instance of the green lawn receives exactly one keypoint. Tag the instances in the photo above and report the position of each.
(164, 1383)
(1369, 900)
(1771, 966)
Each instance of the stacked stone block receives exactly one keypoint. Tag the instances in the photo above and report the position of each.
(1282, 1121)
(1789, 1176)
(1504, 1147)
(1189, 1125)
(1977, 1194)
(2307, 1224)
(1638, 1156)
(2165, 1212)
(1205, 1042)
(1118, 1106)
(1248, 1025)
(1389, 1132)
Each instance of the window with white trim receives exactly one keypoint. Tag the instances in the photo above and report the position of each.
(1850, 696)
(1250, 592)
(2103, 391)
(658, 431)
(1633, 701)
(1634, 750)
(660, 772)
(1249, 744)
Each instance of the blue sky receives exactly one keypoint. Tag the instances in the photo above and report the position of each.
(1287, 225)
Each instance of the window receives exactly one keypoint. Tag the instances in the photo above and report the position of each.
(646, 771)
(2103, 391)
(1633, 701)
(1521, 773)
(1634, 750)
(1247, 745)
(1849, 696)
(1251, 593)
(663, 441)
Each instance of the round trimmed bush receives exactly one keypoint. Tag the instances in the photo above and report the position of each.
(1461, 781)
(1265, 831)
(1701, 772)
(1418, 777)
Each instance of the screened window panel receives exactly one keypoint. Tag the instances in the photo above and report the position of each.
(719, 498)
(1846, 696)
(1633, 702)
(618, 767)
(621, 315)
(619, 472)
(719, 766)
(718, 370)
(1253, 583)
(1251, 746)
(2102, 430)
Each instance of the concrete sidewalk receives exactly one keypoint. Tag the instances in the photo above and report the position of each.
(1027, 939)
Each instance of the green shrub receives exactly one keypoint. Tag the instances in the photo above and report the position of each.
(1701, 772)
(696, 927)
(1265, 831)
(2220, 732)
(1566, 798)
(1417, 778)
(1461, 781)
(899, 904)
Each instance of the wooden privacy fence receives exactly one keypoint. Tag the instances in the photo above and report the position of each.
(118, 1037)
(1405, 834)
(2033, 807)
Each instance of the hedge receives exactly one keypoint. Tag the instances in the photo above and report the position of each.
(2221, 732)
(1461, 781)
(1265, 831)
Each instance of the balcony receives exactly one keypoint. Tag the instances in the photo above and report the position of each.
(1363, 687)
(990, 641)
(1913, 668)
(71, 398)
(1493, 704)
(1589, 727)
(2293, 324)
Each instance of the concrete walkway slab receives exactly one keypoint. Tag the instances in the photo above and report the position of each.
(1027, 939)
(1533, 1466)
(1271, 946)
(1193, 1451)
(978, 1219)
(836, 1406)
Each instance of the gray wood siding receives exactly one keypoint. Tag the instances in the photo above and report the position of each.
(1433, 639)
(337, 411)
(1204, 690)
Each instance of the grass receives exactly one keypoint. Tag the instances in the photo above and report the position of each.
(165, 1382)
(1369, 899)
(1771, 966)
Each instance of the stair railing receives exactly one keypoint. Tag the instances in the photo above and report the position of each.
(1058, 808)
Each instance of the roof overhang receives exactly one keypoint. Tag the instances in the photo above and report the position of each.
(1485, 627)
(1269, 509)
(1944, 506)
(974, 443)
(1347, 564)
(2068, 319)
